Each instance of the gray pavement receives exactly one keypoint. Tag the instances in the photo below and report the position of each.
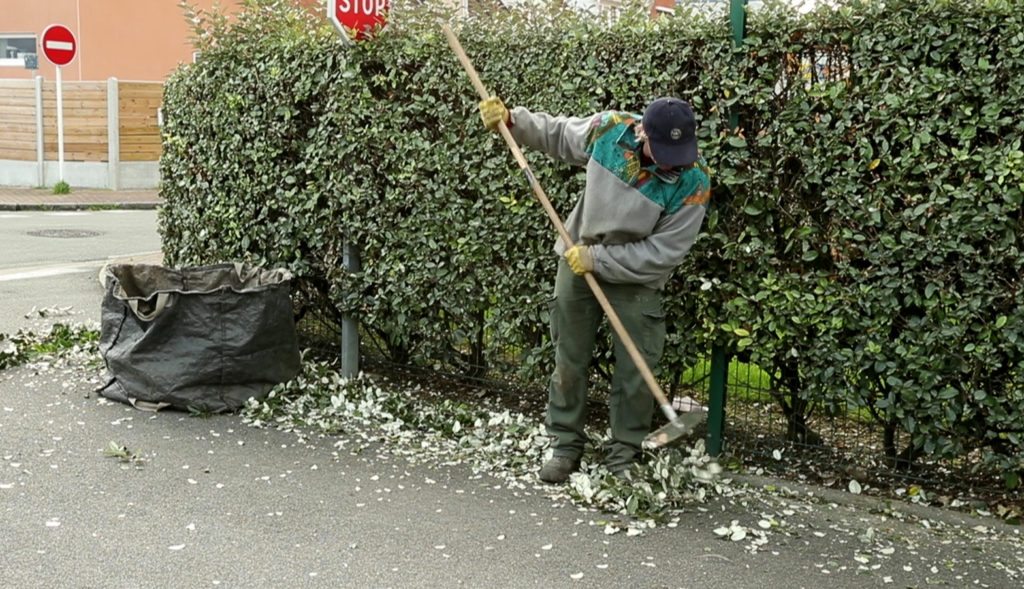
(215, 502)
(50, 261)
(20, 198)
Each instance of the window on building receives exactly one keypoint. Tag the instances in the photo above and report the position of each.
(14, 48)
(610, 9)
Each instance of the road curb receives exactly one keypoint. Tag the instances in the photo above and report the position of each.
(79, 206)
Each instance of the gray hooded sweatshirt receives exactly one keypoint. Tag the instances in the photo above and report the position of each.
(640, 221)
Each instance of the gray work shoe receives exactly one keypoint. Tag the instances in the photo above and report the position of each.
(622, 471)
(558, 469)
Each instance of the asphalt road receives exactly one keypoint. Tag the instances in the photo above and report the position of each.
(212, 502)
(50, 260)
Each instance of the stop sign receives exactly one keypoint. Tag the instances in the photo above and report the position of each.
(358, 19)
(59, 45)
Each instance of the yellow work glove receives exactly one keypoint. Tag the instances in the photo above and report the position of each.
(492, 112)
(580, 260)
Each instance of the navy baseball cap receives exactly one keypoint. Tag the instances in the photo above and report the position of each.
(671, 131)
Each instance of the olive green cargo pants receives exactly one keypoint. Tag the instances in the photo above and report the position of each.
(575, 318)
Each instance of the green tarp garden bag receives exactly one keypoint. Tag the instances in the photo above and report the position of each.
(202, 339)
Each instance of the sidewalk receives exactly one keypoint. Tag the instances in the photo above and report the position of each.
(26, 198)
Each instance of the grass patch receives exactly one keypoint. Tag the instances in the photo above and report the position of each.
(27, 346)
(745, 382)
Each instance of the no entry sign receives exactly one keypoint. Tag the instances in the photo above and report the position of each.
(59, 45)
(358, 19)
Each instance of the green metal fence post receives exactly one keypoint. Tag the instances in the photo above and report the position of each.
(716, 401)
(738, 21)
(719, 359)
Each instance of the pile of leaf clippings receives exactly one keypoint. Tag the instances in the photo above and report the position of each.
(671, 486)
(60, 340)
(426, 427)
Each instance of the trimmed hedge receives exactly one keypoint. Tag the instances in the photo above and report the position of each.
(863, 246)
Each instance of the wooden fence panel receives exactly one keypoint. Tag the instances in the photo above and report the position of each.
(18, 120)
(85, 121)
(139, 128)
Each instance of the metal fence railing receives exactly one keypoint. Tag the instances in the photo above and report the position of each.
(786, 434)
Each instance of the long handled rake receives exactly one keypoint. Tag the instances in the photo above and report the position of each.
(677, 425)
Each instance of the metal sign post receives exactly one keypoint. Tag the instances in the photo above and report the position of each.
(60, 48)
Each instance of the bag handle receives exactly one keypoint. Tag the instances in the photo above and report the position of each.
(162, 301)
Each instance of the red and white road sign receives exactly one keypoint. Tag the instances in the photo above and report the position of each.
(358, 19)
(59, 45)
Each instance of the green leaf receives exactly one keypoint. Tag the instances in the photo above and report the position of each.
(1012, 480)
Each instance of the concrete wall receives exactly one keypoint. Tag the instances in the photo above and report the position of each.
(131, 175)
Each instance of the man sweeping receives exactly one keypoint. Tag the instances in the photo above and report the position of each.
(647, 189)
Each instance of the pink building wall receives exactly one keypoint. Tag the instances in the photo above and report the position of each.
(140, 40)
